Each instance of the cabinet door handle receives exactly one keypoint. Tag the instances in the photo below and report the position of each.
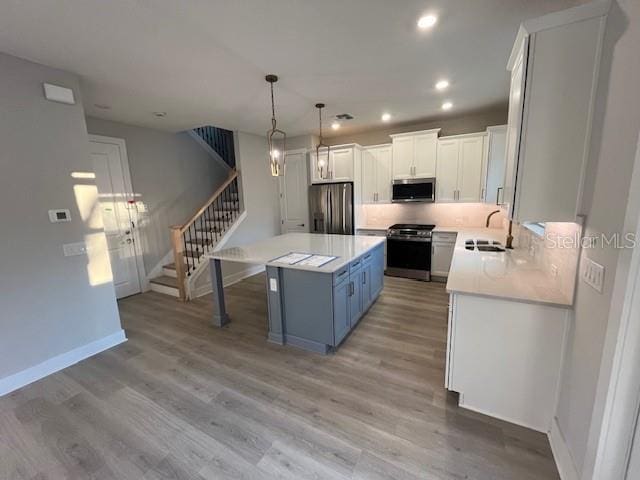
(482, 194)
(364, 278)
(498, 195)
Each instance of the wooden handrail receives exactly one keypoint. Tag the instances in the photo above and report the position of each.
(182, 228)
(178, 231)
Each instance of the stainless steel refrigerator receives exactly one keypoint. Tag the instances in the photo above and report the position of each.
(331, 208)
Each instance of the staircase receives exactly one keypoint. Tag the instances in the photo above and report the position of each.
(219, 140)
(201, 234)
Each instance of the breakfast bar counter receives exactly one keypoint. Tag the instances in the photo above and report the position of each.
(318, 286)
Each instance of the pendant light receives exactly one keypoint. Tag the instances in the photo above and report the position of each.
(275, 137)
(321, 162)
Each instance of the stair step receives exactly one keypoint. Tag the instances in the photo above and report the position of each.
(166, 281)
(166, 285)
(170, 270)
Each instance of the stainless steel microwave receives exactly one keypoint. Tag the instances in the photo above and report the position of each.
(414, 190)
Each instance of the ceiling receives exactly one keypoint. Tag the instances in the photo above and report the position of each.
(204, 61)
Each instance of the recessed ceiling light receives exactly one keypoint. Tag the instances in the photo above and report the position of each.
(386, 117)
(442, 85)
(160, 114)
(447, 105)
(335, 125)
(427, 21)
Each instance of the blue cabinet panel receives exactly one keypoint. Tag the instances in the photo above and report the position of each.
(341, 311)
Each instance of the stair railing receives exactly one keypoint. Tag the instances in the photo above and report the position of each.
(220, 140)
(191, 240)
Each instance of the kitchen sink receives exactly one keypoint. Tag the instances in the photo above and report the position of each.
(484, 245)
(490, 248)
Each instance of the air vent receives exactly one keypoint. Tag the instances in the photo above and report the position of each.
(344, 116)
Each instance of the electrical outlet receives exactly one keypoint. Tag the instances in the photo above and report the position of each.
(593, 274)
(532, 250)
(554, 270)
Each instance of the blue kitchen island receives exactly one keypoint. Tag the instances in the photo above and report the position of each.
(312, 305)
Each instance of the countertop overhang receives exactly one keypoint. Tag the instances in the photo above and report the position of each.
(345, 247)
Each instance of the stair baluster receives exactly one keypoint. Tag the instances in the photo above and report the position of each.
(204, 229)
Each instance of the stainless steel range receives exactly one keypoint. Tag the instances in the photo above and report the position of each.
(409, 251)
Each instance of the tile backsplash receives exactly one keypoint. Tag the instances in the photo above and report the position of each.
(557, 251)
(441, 214)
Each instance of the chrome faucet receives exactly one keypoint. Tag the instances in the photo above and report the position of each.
(491, 215)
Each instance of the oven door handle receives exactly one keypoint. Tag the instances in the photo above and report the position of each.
(406, 239)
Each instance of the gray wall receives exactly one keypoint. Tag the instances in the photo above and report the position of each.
(172, 173)
(50, 304)
(454, 125)
(260, 195)
(615, 133)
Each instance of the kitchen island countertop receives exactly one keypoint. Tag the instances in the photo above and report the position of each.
(345, 247)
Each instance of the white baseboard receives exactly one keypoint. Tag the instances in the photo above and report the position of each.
(564, 461)
(57, 363)
(206, 289)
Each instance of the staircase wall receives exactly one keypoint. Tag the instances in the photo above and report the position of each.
(173, 174)
(259, 191)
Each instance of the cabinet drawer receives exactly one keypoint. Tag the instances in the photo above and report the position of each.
(341, 275)
(445, 237)
(355, 265)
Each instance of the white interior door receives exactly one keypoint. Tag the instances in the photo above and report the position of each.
(115, 193)
(294, 203)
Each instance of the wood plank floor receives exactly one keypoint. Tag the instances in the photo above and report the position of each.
(182, 399)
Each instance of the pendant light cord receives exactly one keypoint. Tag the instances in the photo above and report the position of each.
(273, 109)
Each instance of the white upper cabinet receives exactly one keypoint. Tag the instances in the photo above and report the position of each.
(494, 173)
(376, 174)
(402, 158)
(414, 154)
(470, 168)
(447, 173)
(554, 71)
(425, 151)
(459, 168)
(341, 164)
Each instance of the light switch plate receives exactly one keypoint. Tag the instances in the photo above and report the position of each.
(273, 285)
(74, 249)
(593, 274)
(59, 215)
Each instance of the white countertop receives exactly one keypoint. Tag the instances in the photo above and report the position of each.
(511, 275)
(345, 247)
